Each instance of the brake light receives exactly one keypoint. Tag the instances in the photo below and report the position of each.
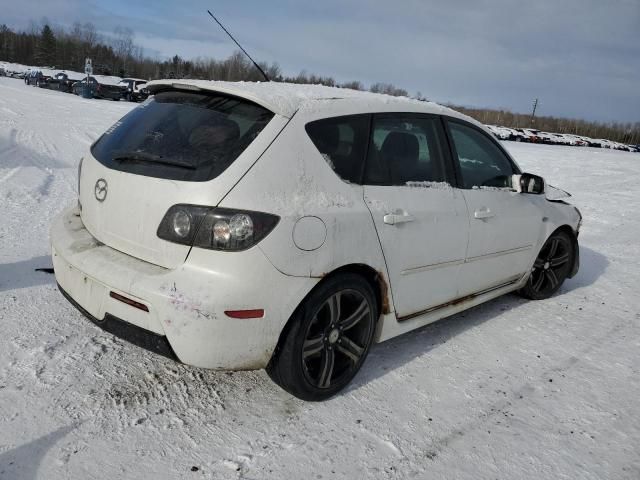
(215, 228)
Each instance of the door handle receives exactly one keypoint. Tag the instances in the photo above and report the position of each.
(483, 213)
(396, 218)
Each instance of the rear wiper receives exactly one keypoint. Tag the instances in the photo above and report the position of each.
(150, 158)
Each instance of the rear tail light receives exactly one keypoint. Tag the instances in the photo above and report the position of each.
(215, 228)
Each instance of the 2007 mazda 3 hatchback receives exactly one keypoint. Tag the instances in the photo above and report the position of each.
(287, 227)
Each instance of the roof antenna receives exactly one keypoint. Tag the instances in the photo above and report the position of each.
(240, 46)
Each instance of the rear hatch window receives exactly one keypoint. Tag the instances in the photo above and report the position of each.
(180, 135)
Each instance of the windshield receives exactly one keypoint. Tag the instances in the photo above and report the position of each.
(177, 135)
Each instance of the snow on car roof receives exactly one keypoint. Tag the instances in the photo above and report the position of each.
(107, 79)
(286, 98)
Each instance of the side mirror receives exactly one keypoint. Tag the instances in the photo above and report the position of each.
(530, 183)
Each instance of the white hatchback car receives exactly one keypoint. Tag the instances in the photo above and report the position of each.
(288, 227)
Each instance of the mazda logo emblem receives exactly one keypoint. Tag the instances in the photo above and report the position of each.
(100, 190)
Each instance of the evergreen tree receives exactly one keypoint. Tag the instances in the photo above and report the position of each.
(46, 47)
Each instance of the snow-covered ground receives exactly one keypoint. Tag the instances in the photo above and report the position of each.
(511, 389)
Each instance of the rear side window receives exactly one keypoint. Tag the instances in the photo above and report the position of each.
(342, 142)
(405, 150)
(482, 163)
(177, 135)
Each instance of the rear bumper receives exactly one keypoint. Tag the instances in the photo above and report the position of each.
(185, 305)
(127, 331)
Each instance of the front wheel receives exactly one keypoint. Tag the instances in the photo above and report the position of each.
(551, 268)
(327, 340)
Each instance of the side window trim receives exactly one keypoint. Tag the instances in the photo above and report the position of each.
(448, 162)
(363, 166)
(454, 154)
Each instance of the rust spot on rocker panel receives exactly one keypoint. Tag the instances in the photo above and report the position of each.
(457, 301)
(384, 293)
(460, 300)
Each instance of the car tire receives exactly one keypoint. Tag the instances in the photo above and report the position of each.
(551, 267)
(326, 339)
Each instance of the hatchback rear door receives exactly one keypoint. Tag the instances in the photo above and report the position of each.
(181, 147)
(421, 220)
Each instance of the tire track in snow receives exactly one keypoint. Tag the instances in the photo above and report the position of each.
(502, 407)
(10, 174)
(12, 144)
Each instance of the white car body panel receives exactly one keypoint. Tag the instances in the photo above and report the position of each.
(424, 255)
(503, 230)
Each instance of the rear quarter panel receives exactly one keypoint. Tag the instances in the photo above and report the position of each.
(293, 181)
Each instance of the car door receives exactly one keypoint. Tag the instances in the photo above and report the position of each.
(503, 225)
(421, 221)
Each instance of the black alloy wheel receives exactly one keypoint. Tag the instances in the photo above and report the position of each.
(336, 338)
(551, 267)
(327, 340)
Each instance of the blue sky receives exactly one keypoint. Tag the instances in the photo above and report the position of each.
(581, 58)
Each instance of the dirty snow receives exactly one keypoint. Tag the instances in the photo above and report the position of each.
(512, 389)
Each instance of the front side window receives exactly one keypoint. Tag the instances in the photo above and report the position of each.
(178, 135)
(482, 163)
(405, 151)
(342, 142)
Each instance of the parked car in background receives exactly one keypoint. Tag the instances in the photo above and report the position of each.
(573, 140)
(544, 137)
(560, 139)
(34, 78)
(135, 91)
(526, 135)
(289, 227)
(62, 81)
(99, 90)
(500, 132)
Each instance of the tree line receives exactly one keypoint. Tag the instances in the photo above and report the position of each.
(118, 54)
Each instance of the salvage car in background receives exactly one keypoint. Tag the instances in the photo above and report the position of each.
(99, 89)
(289, 227)
(135, 89)
(62, 81)
(35, 77)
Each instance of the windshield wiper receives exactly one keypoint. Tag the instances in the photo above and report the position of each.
(150, 158)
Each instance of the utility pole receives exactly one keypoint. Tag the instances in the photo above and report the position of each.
(533, 113)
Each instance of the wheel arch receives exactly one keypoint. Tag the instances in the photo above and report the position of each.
(376, 280)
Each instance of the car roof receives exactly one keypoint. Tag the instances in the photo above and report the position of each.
(286, 98)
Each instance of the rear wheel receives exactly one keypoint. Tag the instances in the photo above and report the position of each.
(327, 340)
(551, 268)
